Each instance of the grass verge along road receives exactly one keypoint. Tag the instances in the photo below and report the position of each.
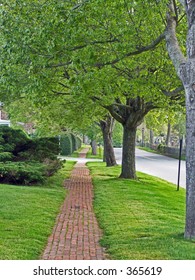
(141, 219)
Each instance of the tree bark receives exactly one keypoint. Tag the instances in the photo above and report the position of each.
(130, 115)
(168, 134)
(94, 147)
(151, 137)
(128, 170)
(85, 139)
(107, 129)
(190, 164)
(143, 137)
(185, 68)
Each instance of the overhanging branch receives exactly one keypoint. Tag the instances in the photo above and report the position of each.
(140, 50)
(173, 47)
(173, 92)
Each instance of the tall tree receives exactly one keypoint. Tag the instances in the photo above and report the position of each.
(107, 126)
(185, 68)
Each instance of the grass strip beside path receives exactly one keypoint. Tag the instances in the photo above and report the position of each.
(75, 154)
(141, 219)
(28, 214)
(99, 155)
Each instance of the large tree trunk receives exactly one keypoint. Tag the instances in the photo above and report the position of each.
(128, 156)
(185, 67)
(107, 129)
(190, 162)
(189, 84)
(130, 115)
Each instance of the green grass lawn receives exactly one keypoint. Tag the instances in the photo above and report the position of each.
(141, 219)
(27, 216)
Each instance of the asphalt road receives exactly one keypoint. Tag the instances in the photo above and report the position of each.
(150, 163)
(157, 165)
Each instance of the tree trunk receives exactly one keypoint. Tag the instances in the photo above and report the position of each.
(94, 147)
(143, 137)
(151, 137)
(185, 67)
(168, 134)
(128, 156)
(85, 139)
(107, 128)
(109, 151)
(188, 79)
(190, 158)
(104, 155)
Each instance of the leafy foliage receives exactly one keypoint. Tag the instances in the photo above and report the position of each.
(69, 143)
(6, 156)
(22, 173)
(66, 144)
(24, 160)
(12, 140)
(40, 149)
(102, 55)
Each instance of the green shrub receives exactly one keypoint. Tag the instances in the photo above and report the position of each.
(161, 148)
(43, 150)
(52, 166)
(66, 144)
(12, 140)
(40, 149)
(74, 143)
(22, 173)
(6, 156)
(79, 142)
(33, 159)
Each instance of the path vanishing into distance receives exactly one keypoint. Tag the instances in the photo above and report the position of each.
(76, 233)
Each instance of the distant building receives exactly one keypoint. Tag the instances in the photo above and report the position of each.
(4, 120)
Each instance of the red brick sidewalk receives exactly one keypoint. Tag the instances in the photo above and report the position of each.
(76, 233)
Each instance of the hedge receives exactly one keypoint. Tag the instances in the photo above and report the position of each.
(79, 142)
(66, 145)
(69, 143)
(22, 173)
(24, 160)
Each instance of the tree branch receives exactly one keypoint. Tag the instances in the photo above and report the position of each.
(64, 85)
(60, 93)
(140, 50)
(173, 47)
(173, 92)
(92, 44)
(114, 114)
(122, 106)
(59, 64)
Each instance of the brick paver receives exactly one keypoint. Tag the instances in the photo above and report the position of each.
(76, 233)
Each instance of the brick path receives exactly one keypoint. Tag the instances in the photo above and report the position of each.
(76, 233)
